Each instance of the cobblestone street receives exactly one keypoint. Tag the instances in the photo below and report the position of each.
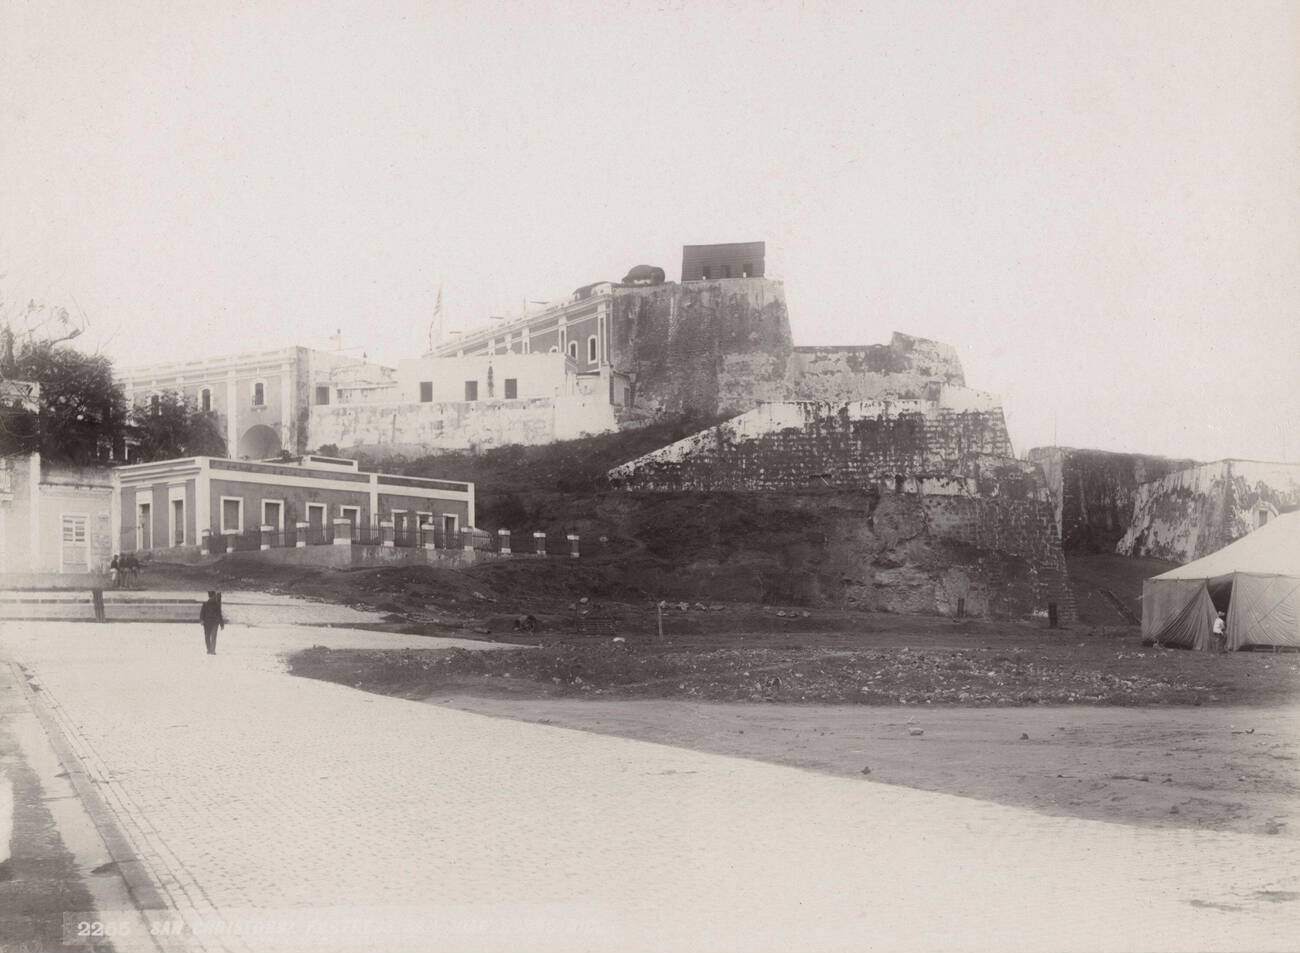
(247, 793)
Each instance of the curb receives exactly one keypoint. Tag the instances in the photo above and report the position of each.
(142, 887)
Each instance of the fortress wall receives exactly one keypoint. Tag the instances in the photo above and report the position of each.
(702, 345)
(1193, 512)
(796, 445)
(1094, 491)
(410, 428)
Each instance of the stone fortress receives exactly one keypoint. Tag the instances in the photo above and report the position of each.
(953, 520)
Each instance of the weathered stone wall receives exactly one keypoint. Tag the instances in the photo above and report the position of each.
(702, 345)
(797, 445)
(946, 512)
(881, 551)
(906, 367)
(1093, 491)
(724, 346)
(1193, 512)
(408, 428)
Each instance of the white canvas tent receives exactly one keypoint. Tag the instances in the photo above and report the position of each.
(1257, 579)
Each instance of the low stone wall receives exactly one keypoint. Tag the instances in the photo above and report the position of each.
(54, 580)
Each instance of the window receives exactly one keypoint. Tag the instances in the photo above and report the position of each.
(205, 401)
(591, 349)
(471, 390)
(573, 350)
(259, 394)
(726, 271)
(1261, 517)
(273, 513)
(512, 388)
(707, 272)
(322, 394)
(232, 514)
(352, 514)
(426, 392)
(747, 270)
(449, 521)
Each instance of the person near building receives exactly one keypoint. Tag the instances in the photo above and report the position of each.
(211, 618)
(1220, 633)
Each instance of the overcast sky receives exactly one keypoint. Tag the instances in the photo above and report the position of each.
(1097, 204)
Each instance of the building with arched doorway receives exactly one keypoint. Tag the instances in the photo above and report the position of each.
(262, 400)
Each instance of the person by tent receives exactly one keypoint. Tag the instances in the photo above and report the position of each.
(1221, 633)
(1250, 589)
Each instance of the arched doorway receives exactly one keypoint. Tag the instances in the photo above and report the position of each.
(259, 442)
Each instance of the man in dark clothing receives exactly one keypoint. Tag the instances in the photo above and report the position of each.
(212, 619)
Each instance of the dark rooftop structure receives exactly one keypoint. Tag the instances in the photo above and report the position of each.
(733, 260)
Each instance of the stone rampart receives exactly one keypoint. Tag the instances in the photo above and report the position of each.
(795, 445)
(1093, 491)
(1194, 512)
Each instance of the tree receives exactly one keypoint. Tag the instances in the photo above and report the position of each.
(81, 415)
(171, 425)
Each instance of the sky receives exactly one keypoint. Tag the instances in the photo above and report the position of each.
(1097, 204)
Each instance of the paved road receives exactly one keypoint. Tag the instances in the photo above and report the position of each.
(252, 795)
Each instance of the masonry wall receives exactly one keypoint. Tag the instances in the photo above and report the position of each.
(382, 430)
(1194, 512)
(905, 367)
(34, 499)
(861, 548)
(828, 448)
(706, 346)
(1094, 491)
(536, 375)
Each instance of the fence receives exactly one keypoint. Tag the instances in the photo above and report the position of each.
(401, 535)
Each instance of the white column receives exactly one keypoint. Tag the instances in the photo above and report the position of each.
(232, 414)
(115, 514)
(287, 435)
(202, 498)
(374, 497)
(34, 511)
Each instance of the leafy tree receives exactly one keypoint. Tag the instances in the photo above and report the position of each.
(81, 415)
(171, 425)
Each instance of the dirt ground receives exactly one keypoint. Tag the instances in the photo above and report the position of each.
(1225, 769)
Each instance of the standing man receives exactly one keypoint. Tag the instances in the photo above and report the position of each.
(212, 619)
(1220, 634)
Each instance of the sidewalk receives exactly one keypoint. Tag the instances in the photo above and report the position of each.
(254, 797)
(53, 861)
